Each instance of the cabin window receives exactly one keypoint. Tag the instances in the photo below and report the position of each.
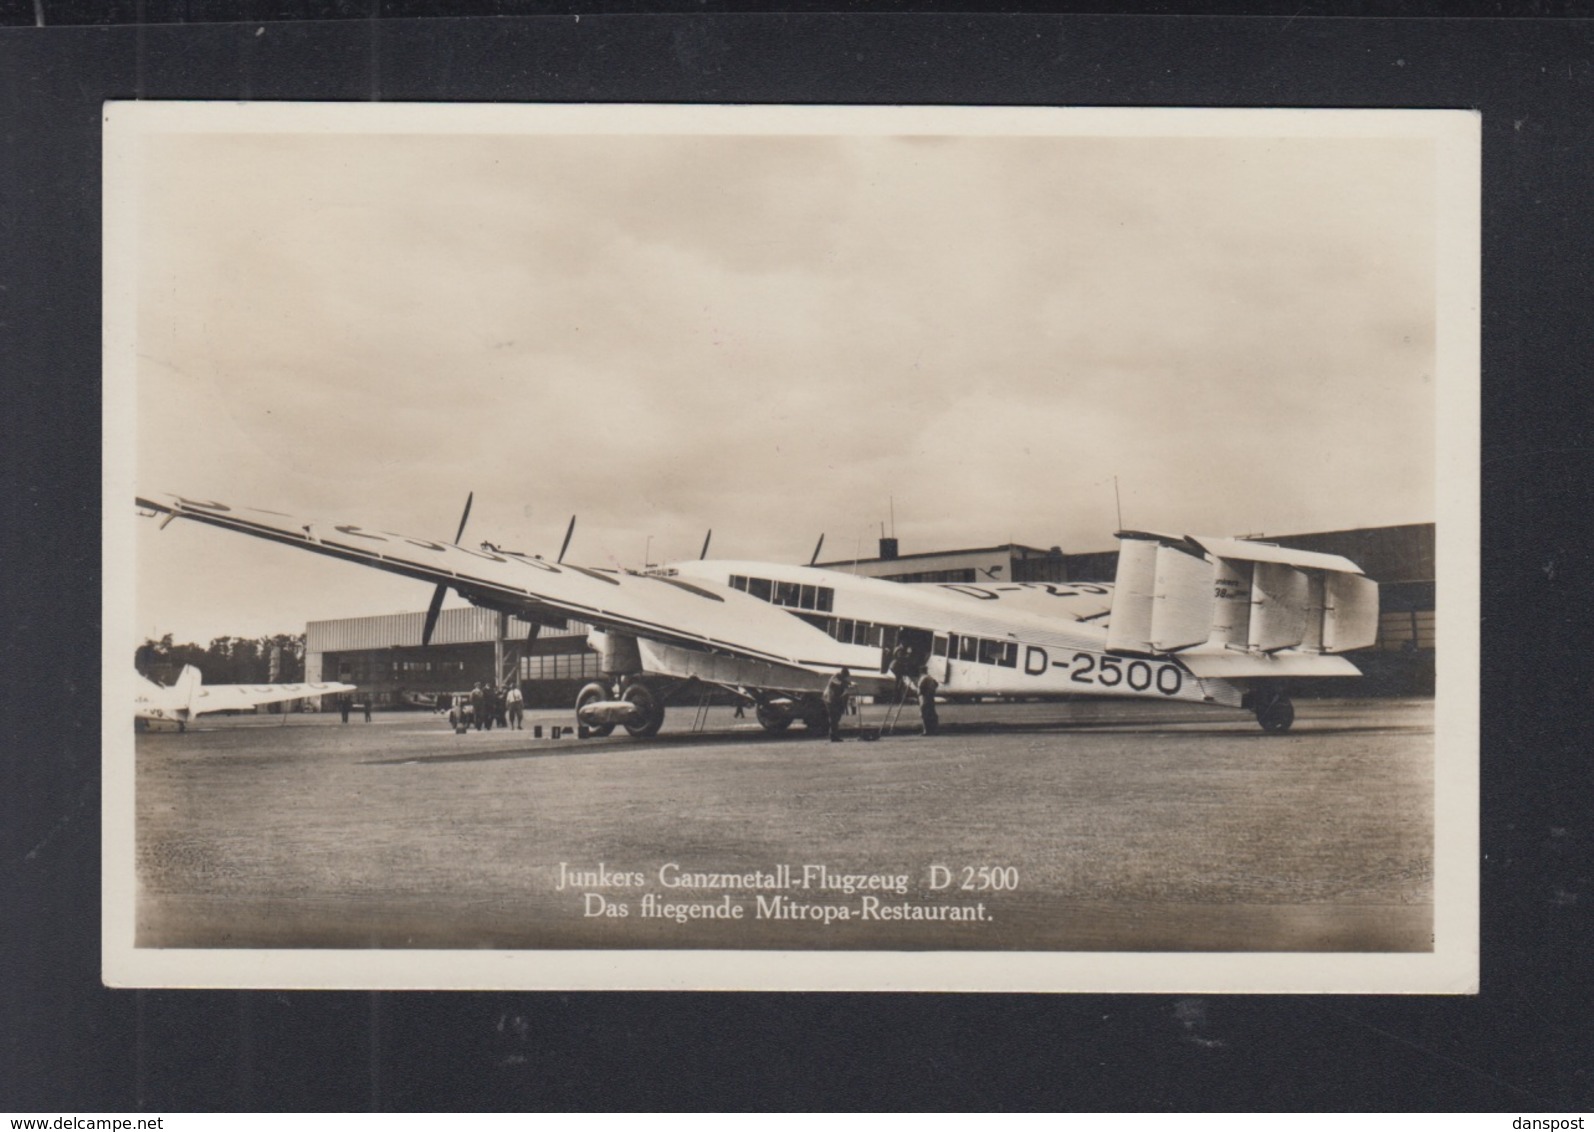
(1009, 654)
(824, 598)
(968, 649)
(759, 588)
(939, 647)
(738, 582)
(805, 598)
(990, 651)
(787, 594)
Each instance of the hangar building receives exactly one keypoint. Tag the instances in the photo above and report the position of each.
(383, 655)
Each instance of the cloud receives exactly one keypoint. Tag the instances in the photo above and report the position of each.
(776, 336)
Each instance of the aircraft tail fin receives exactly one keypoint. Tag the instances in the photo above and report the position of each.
(187, 685)
(1176, 593)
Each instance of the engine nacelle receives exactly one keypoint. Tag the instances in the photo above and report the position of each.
(618, 654)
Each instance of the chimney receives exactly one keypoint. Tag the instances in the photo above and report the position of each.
(888, 549)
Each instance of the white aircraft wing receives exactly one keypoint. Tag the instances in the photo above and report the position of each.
(237, 697)
(1068, 602)
(695, 614)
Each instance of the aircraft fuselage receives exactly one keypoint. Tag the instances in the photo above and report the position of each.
(999, 639)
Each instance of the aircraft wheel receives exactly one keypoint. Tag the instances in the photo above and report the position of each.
(1276, 715)
(591, 694)
(772, 719)
(652, 712)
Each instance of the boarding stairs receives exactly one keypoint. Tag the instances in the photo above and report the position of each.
(894, 709)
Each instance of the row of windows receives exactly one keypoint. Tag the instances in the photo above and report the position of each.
(561, 666)
(792, 595)
(978, 650)
(975, 650)
(850, 632)
(411, 667)
(372, 668)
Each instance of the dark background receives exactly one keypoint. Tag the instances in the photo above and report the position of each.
(69, 1045)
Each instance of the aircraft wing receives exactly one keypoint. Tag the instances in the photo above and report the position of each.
(695, 614)
(237, 697)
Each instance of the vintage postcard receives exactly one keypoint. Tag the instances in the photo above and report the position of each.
(856, 548)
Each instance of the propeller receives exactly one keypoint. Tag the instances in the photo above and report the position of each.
(570, 530)
(705, 544)
(817, 546)
(441, 592)
(536, 627)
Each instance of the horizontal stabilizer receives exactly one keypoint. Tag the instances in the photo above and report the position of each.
(1244, 550)
(1230, 665)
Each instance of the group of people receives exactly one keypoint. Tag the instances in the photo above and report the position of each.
(909, 671)
(484, 705)
(346, 705)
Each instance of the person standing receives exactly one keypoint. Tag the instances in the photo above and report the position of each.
(835, 697)
(344, 704)
(516, 702)
(478, 705)
(899, 669)
(927, 716)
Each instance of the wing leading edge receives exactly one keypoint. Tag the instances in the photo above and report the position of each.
(696, 615)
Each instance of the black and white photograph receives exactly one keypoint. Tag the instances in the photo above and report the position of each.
(790, 548)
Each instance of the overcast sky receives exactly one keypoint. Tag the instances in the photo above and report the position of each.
(770, 336)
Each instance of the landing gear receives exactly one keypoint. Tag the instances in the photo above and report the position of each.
(1275, 712)
(593, 693)
(773, 719)
(650, 713)
(777, 718)
(816, 720)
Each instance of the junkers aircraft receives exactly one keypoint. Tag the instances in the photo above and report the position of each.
(189, 696)
(1216, 621)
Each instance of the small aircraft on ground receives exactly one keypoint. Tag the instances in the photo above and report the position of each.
(189, 696)
(1216, 621)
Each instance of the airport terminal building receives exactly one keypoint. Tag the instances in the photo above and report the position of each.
(384, 657)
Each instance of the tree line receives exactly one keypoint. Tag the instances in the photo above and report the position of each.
(226, 660)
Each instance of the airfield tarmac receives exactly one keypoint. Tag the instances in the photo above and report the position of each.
(1129, 826)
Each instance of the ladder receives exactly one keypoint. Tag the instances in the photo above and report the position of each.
(894, 711)
(701, 719)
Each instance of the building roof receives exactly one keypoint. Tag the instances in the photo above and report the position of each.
(1011, 548)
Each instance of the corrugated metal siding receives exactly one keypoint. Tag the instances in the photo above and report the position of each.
(1387, 554)
(454, 627)
(925, 563)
